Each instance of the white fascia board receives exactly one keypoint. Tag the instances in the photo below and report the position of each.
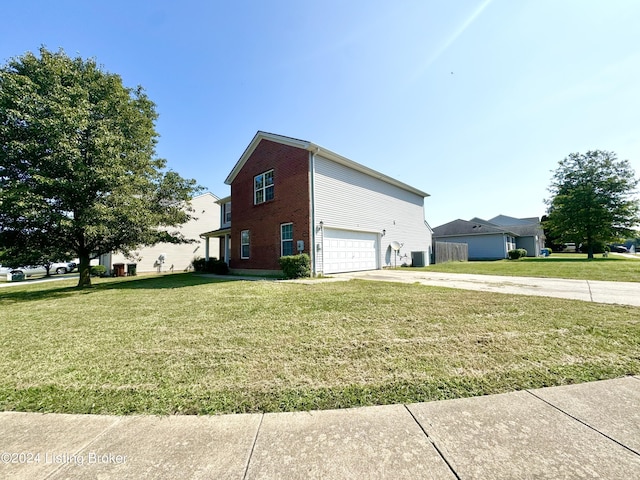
(224, 200)
(205, 194)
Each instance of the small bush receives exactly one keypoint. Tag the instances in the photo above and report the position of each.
(198, 264)
(296, 266)
(219, 267)
(517, 253)
(98, 271)
(213, 265)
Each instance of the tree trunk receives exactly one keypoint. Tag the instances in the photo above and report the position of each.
(85, 270)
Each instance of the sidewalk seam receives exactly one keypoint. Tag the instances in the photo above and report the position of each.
(432, 443)
(590, 293)
(85, 446)
(584, 423)
(253, 447)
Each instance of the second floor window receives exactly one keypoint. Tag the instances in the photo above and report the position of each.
(263, 187)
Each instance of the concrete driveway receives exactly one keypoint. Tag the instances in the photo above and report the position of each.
(623, 293)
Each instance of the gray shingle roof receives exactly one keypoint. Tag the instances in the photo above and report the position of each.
(472, 227)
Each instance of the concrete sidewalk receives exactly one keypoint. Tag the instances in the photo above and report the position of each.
(623, 293)
(579, 431)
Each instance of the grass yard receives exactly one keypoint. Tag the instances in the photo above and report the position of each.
(558, 265)
(183, 344)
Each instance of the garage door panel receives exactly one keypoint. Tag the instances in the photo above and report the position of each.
(347, 250)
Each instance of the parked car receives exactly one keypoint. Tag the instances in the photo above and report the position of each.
(29, 270)
(619, 248)
(62, 267)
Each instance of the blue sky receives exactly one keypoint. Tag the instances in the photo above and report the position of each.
(472, 101)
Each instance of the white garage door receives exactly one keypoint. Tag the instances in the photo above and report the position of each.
(349, 251)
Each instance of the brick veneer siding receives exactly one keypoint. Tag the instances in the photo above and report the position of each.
(290, 204)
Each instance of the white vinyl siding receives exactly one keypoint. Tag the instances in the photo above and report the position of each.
(351, 200)
(180, 255)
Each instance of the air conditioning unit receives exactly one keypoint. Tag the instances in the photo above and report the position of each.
(418, 259)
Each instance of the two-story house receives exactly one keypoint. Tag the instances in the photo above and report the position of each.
(292, 196)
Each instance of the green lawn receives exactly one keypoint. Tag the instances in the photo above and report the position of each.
(613, 268)
(187, 344)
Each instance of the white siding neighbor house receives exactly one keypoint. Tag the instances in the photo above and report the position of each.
(176, 257)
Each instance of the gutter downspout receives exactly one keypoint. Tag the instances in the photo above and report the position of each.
(312, 199)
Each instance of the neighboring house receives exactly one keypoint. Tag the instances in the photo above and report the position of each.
(176, 257)
(529, 232)
(492, 239)
(291, 196)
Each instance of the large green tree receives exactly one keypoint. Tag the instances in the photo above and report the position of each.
(79, 173)
(592, 199)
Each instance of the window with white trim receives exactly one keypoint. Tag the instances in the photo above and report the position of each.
(286, 239)
(227, 212)
(244, 244)
(263, 187)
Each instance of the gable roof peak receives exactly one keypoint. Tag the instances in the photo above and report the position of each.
(317, 150)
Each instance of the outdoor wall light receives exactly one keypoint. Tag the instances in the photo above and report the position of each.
(384, 232)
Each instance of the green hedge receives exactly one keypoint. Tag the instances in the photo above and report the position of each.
(98, 271)
(296, 266)
(213, 265)
(517, 253)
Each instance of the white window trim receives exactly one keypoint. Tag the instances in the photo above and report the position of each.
(282, 240)
(263, 188)
(243, 244)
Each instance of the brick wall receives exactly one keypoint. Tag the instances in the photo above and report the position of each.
(290, 204)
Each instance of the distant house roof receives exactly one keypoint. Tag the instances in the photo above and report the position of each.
(311, 147)
(519, 227)
(506, 221)
(468, 227)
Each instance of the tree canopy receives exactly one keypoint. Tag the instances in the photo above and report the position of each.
(79, 175)
(592, 199)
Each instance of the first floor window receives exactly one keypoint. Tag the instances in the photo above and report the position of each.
(244, 244)
(286, 239)
(227, 212)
